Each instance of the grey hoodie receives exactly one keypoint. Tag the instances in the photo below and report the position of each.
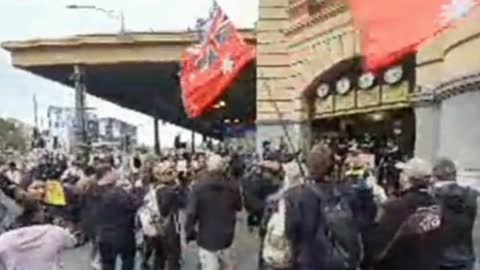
(34, 247)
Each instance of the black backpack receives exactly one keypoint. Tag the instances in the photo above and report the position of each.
(340, 234)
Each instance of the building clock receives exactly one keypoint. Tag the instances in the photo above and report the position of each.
(366, 80)
(323, 90)
(393, 75)
(343, 86)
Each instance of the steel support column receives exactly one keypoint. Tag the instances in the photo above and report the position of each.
(156, 136)
(81, 143)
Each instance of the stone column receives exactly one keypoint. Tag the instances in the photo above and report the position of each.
(427, 125)
(278, 102)
(460, 129)
(447, 123)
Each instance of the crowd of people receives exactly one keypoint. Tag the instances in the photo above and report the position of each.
(307, 213)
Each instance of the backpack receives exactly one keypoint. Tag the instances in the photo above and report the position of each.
(147, 214)
(163, 223)
(364, 203)
(277, 249)
(152, 222)
(340, 234)
(169, 223)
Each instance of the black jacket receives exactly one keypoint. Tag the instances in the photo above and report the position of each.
(89, 203)
(115, 215)
(213, 206)
(169, 203)
(410, 252)
(459, 212)
(256, 190)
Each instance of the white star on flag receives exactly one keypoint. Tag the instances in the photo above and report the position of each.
(455, 10)
(228, 65)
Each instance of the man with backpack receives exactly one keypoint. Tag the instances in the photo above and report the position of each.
(159, 217)
(168, 196)
(320, 222)
(275, 249)
(459, 205)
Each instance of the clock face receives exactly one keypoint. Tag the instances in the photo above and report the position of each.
(393, 75)
(366, 80)
(343, 86)
(323, 90)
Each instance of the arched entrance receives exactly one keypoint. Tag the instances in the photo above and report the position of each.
(346, 103)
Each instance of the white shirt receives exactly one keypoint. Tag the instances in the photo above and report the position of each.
(14, 176)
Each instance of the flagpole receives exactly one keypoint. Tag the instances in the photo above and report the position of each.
(213, 8)
(284, 127)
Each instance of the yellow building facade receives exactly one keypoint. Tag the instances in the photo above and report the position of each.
(309, 74)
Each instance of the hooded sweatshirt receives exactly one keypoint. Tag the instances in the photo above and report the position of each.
(34, 247)
(459, 213)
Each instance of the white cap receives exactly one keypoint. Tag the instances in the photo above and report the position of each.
(415, 168)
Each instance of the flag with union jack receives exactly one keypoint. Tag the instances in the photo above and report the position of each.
(210, 67)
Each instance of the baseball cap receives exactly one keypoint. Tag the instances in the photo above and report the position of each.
(415, 168)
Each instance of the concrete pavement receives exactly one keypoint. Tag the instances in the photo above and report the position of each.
(246, 247)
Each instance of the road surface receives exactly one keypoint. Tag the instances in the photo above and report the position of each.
(246, 246)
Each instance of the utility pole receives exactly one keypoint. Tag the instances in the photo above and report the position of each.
(193, 141)
(156, 136)
(35, 109)
(78, 77)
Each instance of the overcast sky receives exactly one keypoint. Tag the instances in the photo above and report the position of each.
(27, 19)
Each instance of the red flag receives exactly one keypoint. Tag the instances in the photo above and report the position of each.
(211, 67)
(393, 29)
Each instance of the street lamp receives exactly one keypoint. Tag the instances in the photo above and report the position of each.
(117, 15)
